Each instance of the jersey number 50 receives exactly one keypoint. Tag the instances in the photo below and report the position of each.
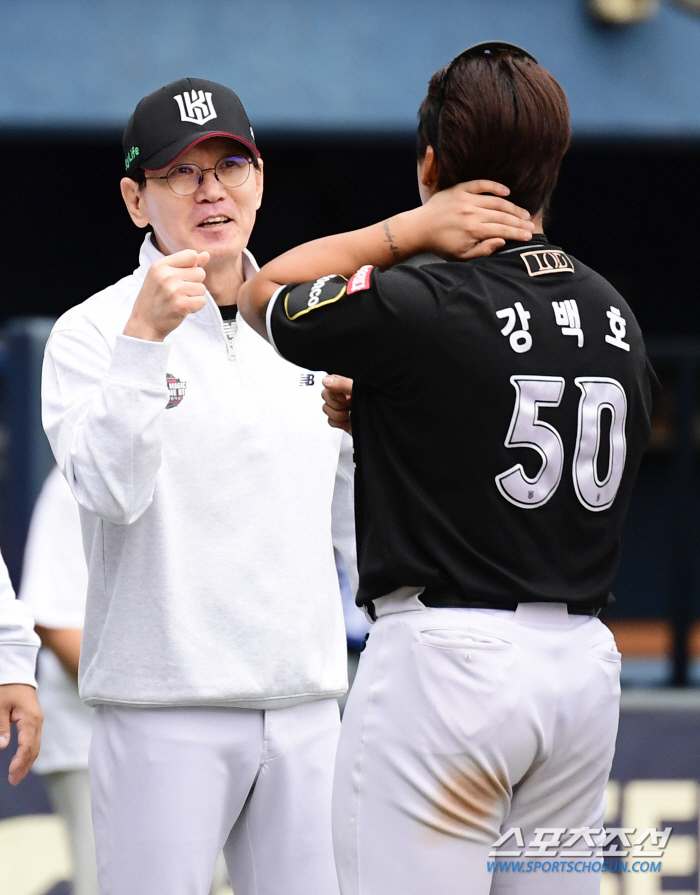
(527, 430)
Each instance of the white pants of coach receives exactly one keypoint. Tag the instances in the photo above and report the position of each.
(172, 787)
(465, 723)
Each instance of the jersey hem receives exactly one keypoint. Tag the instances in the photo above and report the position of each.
(270, 702)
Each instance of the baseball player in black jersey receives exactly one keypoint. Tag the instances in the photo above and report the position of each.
(500, 411)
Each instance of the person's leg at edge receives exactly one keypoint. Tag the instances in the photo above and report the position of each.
(70, 796)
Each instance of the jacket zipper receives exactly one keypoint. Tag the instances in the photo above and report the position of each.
(230, 328)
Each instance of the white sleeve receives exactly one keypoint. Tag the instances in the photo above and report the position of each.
(18, 642)
(102, 412)
(54, 573)
(343, 511)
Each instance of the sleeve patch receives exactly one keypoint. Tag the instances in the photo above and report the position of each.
(301, 298)
(361, 280)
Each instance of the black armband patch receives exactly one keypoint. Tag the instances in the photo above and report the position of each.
(305, 297)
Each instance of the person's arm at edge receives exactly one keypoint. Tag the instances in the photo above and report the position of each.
(18, 701)
(460, 222)
(64, 643)
(19, 705)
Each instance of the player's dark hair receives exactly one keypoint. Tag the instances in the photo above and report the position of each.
(501, 117)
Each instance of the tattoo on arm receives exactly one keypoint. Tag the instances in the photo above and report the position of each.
(396, 254)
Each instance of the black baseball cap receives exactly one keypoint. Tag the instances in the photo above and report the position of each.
(170, 120)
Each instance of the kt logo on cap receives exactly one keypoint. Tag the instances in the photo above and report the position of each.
(196, 107)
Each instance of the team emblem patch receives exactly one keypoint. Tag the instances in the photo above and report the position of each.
(544, 261)
(307, 297)
(360, 281)
(176, 387)
(195, 107)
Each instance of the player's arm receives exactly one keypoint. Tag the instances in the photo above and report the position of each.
(54, 572)
(64, 643)
(101, 408)
(102, 403)
(462, 222)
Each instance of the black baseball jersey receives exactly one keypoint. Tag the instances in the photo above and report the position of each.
(500, 411)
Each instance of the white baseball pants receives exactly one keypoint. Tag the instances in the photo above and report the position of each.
(171, 787)
(465, 723)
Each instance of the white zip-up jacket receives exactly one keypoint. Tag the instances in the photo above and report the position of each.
(18, 642)
(206, 475)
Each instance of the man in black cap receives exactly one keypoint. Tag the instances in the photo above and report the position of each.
(213, 647)
(211, 493)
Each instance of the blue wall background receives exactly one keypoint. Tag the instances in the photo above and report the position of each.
(321, 64)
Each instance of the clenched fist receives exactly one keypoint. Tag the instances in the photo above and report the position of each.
(173, 288)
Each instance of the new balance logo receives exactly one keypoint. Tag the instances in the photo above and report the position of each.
(195, 107)
(306, 379)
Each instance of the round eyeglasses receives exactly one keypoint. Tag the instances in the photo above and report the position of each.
(186, 179)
